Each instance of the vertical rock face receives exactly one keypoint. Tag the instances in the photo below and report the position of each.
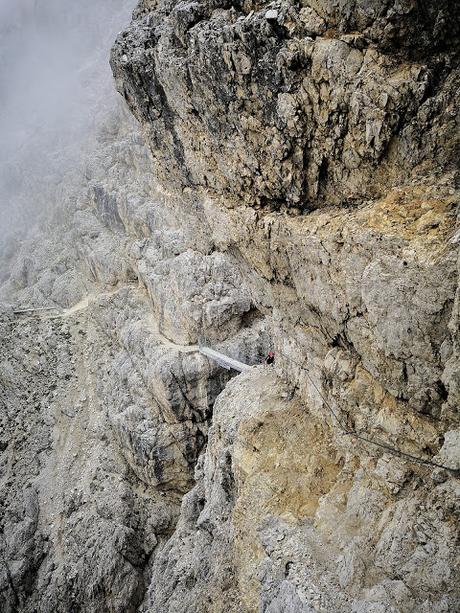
(300, 193)
(283, 104)
(321, 140)
(282, 521)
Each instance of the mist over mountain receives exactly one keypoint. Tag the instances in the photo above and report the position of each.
(55, 86)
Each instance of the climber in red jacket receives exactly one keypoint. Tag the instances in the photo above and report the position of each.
(270, 358)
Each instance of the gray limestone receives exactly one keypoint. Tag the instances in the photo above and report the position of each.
(293, 184)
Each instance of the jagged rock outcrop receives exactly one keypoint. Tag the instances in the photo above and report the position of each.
(280, 520)
(105, 410)
(302, 194)
(281, 104)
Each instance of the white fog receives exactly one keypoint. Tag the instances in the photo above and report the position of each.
(55, 88)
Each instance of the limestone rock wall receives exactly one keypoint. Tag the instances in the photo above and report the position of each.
(321, 141)
(295, 187)
(293, 105)
(280, 520)
(106, 401)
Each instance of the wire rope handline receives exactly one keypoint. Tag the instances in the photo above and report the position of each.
(358, 435)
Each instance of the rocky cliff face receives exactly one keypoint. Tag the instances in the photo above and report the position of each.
(283, 104)
(106, 400)
(302, 194)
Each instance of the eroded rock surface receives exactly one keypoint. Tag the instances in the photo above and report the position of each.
(321, 140)
(283, 104)
(106, 400)
(282, 521)
(301, 193)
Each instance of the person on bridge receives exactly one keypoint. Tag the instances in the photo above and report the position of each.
(270, 358)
